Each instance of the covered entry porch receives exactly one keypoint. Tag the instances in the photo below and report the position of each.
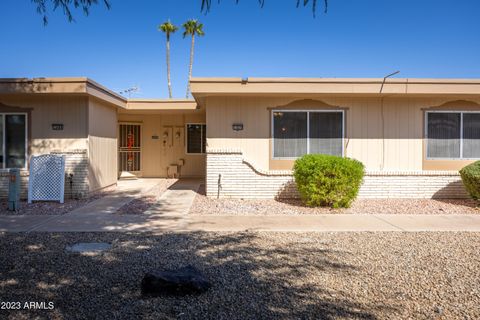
(161, 138)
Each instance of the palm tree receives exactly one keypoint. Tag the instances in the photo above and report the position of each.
(192, 27)
(168, 28)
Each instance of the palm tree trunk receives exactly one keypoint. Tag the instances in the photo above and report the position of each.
(191, 65)
(168, 69)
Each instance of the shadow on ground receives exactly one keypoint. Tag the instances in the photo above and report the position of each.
(253, 277)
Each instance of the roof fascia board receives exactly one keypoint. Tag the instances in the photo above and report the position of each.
(202, 87)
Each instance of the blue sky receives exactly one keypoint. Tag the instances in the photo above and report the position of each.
(121, 47)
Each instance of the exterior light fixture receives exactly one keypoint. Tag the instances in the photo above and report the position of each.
(165, 135)
(237, 126)
(177, 134)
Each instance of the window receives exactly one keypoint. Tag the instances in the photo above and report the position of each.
(13, 140)
(453, 135)
(196, 138)
(296, 133)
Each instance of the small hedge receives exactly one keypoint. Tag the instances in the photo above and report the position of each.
(471, 179)
(324, 180)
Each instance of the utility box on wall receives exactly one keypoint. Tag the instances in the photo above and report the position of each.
(14, 189)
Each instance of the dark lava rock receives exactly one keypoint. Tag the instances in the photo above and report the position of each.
(175, 282)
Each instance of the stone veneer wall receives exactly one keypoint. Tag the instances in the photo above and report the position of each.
(76, 162)
(238, 178)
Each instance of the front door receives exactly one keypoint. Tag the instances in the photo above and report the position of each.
(129, 148)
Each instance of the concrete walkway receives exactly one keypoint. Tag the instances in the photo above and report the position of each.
(170, 214)
(126, 191)
(337, 223)
(158, 222)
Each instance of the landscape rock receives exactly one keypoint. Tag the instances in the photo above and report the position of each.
(185, 280)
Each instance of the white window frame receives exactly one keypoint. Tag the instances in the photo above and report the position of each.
(2, 115)
(308, 111)
(461, 134)
(202, 137)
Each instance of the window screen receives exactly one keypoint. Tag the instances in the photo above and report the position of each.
(196, 138)
(443, 135)
(298, 133)
(289, 134)
(471, 135)
(453, 135)
(15, 140)
(326, 133)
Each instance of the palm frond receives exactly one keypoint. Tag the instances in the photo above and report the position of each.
(167, 27)
(207, 4)
(66, 6)
(193, 27)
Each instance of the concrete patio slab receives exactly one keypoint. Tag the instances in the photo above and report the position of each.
(177, 200)
(126, 191)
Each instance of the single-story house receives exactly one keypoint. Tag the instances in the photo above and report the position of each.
(243, 135)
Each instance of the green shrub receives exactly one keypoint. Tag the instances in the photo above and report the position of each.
(324, 180)
(471, 179)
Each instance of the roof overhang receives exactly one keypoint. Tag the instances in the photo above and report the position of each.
(142, 106)
(310, 87)
(90, 88)
(60, 86)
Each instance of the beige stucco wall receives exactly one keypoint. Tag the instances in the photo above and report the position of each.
(46, 110)
(102, 144)
(396, 143)
(71, 142)
(156, 155)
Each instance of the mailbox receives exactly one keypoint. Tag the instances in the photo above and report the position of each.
(14, 190)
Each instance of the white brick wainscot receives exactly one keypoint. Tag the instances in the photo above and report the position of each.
(230, 175)
(76, 163)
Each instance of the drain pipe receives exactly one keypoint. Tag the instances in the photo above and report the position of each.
(219, 185)
(70, 180)
(383, 117)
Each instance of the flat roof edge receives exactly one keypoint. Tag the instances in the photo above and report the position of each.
(338, 80)
(160, 100)
(99, 91)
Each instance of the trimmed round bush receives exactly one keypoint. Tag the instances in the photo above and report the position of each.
(324, 180)
(471, 179)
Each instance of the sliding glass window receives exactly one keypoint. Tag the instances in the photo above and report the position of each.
(296, 133)
(13, 140)
(453, 135)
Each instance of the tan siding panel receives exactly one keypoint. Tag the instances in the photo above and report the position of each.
(70, 111)
(395, 144)
(102, 143)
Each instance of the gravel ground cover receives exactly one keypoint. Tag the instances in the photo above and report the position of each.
(50, 207)
(254, 275)
(143, 203)
(204, 205)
